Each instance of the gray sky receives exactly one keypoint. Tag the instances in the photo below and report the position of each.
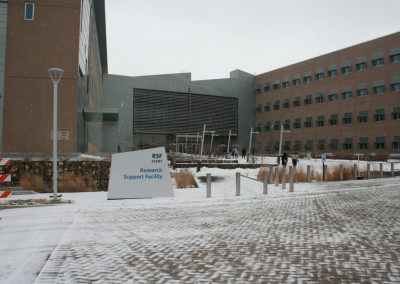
(210, 38)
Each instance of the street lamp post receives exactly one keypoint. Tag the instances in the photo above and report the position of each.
(251, 135)
(55, 74)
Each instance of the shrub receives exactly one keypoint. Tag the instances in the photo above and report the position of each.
(185, 179)
(33, 182)
(71, 183)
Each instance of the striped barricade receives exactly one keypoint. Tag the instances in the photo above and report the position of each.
(5, 194)
(4, 162)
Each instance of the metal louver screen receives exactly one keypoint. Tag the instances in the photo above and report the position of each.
(162, 112)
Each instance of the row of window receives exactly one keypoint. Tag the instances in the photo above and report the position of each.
(347, 93)
(333, 120)
(361, 64)
(334, 145)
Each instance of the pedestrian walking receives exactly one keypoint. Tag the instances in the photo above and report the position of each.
(284, 159)
(244, 153)
(295, 159)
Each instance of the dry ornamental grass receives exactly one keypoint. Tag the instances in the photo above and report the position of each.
(185, 179)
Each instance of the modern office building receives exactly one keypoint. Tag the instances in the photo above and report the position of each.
(344, 101)
(98, 112)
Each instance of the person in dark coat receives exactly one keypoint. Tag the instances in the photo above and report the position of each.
(284, 159)
(295, 159)
(244, 153)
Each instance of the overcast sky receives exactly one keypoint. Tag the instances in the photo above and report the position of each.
(210, 38)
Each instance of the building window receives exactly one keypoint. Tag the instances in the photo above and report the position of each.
(321, 144)
(396, 142)
(346, 95)
(320, 98)
(285, 84)
(286, 126)
(396, 113)
(379, 114)
(267, 88)
(297, 145)
(267, 126)
(277, 125)
(29, 11)
(308, 146)
(259, 127)
(363, 144)
(332, 73)
(258, 109)
(395, 58)
(277, 106)
(346, 69)
(307, 79)
(333, 120)
(362, 93)
(319, 76)
(296, 103)
(308, 122)
(320, 121)
(348, 118)
(286, 104)
(348, 144)
(297, 123)
(377, 62)
(380, 143)
(307, 101)
(267, 107)
(361, 66)
(296, 82)
(395, 87)
(258, 90)
(334, 144)
(378, 90)
(275, 86)
(363, 116)
(332, 97)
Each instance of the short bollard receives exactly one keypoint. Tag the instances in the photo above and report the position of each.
(381, 170)
(341, 172)
(277, 176)
(291, 179)
(237, 184)
(284, 178)
(355, 171)
(368, 171)
(208, 185)
(325, 177)
(271, 175)
(392, 169)
(265, 183)
(308, 173)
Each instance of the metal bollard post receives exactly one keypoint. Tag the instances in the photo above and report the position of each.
(291, 179)
(392, 169)
(325, 177)
(265, 183)
(208, 185)
(341, 172)
(277, 176)
(308, 173)
(237, 184)
(271, 175)
(355, 171)
(284, 178)
(381, 170)
(368, 171)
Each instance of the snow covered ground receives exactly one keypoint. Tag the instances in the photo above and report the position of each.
(191, 238)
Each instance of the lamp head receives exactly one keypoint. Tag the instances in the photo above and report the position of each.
(56, 74)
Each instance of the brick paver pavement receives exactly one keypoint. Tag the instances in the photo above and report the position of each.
(338, 237)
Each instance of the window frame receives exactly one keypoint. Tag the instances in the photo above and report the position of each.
(361, 66)
(26, 11)
(360, 91)
(377, 62)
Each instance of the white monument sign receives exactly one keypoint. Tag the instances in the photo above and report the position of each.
(140, 174)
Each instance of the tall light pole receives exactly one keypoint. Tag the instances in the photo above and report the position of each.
(251, 135)
(55, 74)
(229, 140)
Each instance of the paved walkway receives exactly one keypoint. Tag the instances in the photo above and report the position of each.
(347, 236)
